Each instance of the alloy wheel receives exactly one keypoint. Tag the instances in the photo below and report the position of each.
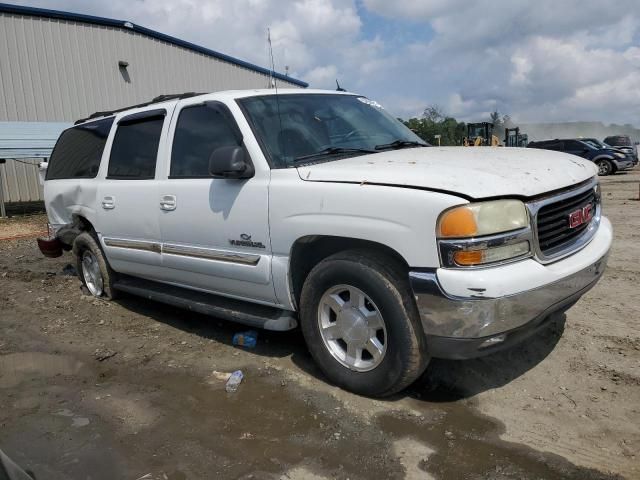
(352, 328)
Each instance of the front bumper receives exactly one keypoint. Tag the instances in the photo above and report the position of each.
(480, 323)
(624, 164)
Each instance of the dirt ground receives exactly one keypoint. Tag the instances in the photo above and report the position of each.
(135, 390)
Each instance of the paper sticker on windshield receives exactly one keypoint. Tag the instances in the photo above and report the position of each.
(373, 103)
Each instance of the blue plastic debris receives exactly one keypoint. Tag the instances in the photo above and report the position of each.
(246, 339)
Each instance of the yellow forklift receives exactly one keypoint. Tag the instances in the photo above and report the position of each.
(480, 135)
(513, 138)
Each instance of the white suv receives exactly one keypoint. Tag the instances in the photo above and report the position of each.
(319, 208)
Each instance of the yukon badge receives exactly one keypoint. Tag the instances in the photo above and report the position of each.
(245, 241)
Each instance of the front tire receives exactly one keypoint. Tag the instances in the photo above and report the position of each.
(604, 167)
(92, 267)
(361, 324)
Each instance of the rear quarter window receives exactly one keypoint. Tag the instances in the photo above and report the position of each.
(618, 141)
(78, 152)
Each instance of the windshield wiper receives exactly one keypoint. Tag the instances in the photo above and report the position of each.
(400, 144)
(326, 152)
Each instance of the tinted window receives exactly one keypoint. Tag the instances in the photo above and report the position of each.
(574, 145)
(618, 141)
(135, 149)
(78, 151)
(552, 145)
(292, 126)
(200, 130)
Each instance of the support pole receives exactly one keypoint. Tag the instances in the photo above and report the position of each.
(3, 211)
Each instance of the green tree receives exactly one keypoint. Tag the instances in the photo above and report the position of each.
(434, 121)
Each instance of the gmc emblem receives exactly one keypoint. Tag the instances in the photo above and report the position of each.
(580, 216)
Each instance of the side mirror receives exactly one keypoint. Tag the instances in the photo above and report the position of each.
(230, 162)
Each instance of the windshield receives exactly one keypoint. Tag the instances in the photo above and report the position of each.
(477, 131)
(594, 143)
(304, 127)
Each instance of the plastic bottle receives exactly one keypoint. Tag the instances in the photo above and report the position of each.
(234, 381)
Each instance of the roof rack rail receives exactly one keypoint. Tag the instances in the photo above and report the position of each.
(158, 99)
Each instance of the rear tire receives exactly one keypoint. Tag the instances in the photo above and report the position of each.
(361, 324)
(92, 267)
(604, 167)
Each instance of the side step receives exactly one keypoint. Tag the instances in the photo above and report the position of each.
(254, 315)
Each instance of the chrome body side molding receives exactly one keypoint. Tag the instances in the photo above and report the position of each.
(185, 251)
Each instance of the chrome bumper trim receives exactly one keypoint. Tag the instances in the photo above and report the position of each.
(474, 317)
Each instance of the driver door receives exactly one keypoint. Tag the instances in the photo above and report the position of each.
(215, 232)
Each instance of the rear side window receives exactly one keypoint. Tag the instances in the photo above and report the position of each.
(200, 130)
(574, 145)
(135, 149)
(618, 141)
(78, 151)
(553, 146)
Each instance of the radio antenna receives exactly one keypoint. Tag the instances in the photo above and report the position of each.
(272, 72)
(274, 82)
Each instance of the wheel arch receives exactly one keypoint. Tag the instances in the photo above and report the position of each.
(309, 250)
(603, 157)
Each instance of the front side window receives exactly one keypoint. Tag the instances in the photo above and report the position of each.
(575, 145)
(78, 152)
(293, 126)
(135, 149)
(200, 130)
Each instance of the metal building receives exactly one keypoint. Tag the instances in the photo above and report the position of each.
(59, 66)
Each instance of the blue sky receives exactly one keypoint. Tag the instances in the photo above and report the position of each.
(537, 61)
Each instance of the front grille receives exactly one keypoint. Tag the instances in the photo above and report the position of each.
(554, 231)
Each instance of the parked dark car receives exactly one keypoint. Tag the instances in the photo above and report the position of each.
(604, 145)
(624, 143)
(608, 160)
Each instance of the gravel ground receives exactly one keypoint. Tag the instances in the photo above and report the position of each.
(17, 227)
(133, 389)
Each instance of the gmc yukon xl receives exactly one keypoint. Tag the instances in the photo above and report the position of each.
(319, 209)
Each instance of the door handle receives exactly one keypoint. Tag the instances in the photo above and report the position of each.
(109, 202)
(168, 202)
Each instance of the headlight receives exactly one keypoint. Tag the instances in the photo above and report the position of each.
(620, 155)
(486, 218)
(478, 234)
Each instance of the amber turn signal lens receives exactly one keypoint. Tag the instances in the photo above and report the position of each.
(459, 222)
(468, 258)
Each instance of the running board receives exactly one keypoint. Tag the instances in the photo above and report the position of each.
(251, 314)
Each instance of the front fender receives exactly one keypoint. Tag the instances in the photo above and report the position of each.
(403, 219)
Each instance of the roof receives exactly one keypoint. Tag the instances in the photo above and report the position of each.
(224, 94)
(29, 139)
(129, 26)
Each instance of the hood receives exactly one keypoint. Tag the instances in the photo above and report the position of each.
(474, 172)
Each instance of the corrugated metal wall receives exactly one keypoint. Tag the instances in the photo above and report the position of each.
(57, 70)
(54, 70)
(20, 182)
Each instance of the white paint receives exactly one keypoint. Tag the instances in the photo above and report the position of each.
(474, 172)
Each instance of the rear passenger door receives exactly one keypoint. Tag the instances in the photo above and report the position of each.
(576, 148)
(128, 199)
(215, 231)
